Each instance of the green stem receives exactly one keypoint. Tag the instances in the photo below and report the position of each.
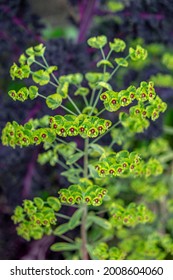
(86, 157)
(68, 110)
(67, 238)
(92, 96)
(102, 52)
(103, 55)
(84, 252)
(42, 96)
(112, 143)
(116, 68)
(96, 101)
(62, 164)
(98, 138)
(40, 64)
(70, 205)
(85, 100)
(56, 80)
(109, 54)
(67, 143)
(52, 74)
(99, 113)
(62, 216)
(74, 105)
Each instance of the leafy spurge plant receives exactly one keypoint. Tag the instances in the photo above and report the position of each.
(87, 164)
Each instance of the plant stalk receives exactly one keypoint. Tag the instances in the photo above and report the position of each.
(84, 234)
(84, 252)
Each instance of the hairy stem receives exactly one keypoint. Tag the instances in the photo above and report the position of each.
(67, 143)
(84, 234)
(85, 208)
(86, 158)
(62, 216)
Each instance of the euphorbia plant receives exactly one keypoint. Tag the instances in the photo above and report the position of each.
(88, 164)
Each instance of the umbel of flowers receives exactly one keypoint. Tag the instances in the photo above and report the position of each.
(85, 167)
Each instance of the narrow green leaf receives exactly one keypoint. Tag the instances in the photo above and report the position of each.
(62, 229)
(72, 159)
(97, 148)
(75, 219)
(93, 171)
(62, 246)
(100, 222)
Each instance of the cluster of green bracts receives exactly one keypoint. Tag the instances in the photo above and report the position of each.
(125, 164)
(68, 125)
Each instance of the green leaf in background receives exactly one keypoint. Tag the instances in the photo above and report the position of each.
(62, 246)
(53, 101)
(115, 6)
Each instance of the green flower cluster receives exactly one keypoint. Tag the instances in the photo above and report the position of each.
(124, 164)
(86, 126)
(14, 134)
(121, 164)
(89, 194)
(154, 247)
(114, 100)
(83, 125)
(156, 147)
(23, 71)
(149, 105)
(103, 252)
(138, 54)
(129, 216)
(151, 191)
(19, 72)
(24, 93)
(36, 217)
